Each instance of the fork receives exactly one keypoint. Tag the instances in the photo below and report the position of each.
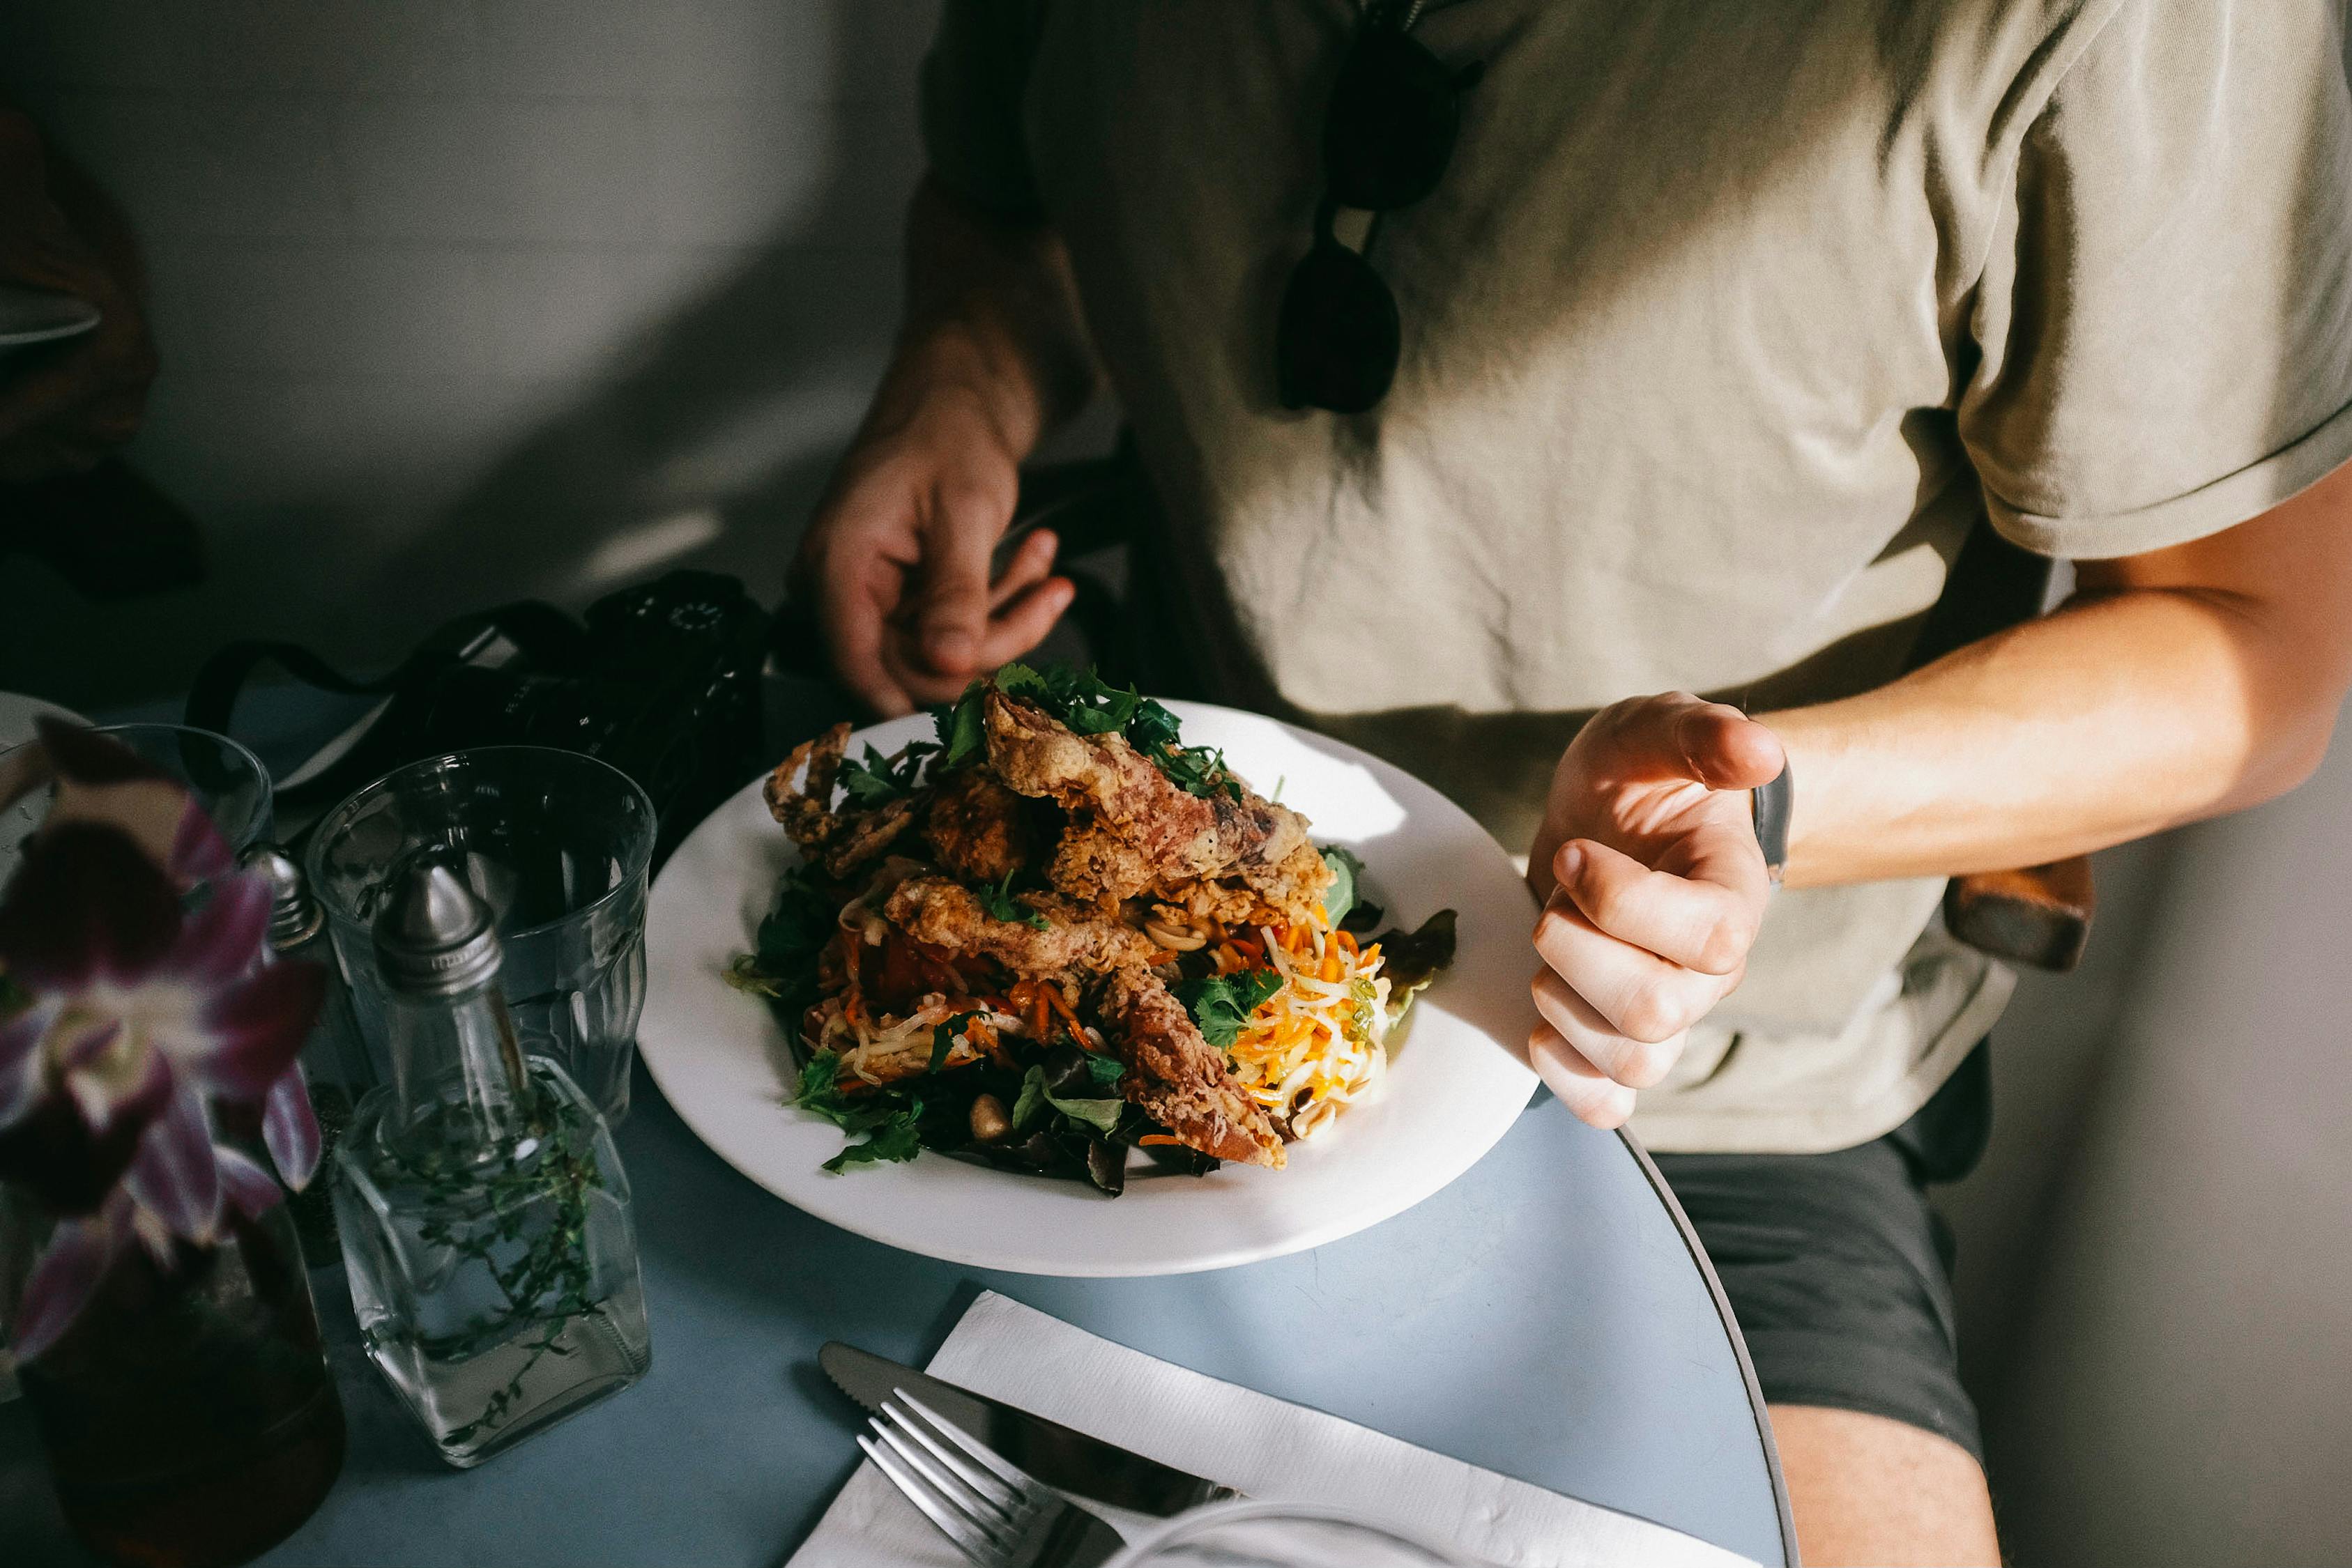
(994, 1512)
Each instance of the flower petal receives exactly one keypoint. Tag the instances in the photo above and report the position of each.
(174, 1175)
(20, 1058)
(86, 901)
(290, 1128)
(220, 941)
(198, 851)
(253, 1190)
(63, 1280)
(110, 1092)
(83, 756)
(258, 1025)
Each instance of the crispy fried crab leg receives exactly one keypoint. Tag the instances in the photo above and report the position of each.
(1180, 1079)
(1134, 831)
(840, 842)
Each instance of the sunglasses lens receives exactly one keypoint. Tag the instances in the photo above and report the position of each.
(1337, 341)
(1395, 113)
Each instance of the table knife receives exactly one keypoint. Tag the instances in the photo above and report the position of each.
(1058, 1455)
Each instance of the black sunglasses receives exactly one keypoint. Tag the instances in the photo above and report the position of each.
(1395, 113)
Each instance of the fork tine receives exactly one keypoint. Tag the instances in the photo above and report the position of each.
(1006, 1498)
(1012, 1475)
(965, 1535)
(993, 1520)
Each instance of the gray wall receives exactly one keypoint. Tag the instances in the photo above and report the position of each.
(468, 300)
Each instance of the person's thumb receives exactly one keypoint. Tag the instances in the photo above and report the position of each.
(1714, 744)
(959, 542)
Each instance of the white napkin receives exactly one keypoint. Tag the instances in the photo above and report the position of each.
(1270, 1449)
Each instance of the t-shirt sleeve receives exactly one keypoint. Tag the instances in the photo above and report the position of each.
(2164, 323)
(974, 80)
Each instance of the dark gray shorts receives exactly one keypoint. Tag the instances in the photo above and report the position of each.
(1838, 1270)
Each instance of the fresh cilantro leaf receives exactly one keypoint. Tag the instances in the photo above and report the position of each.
(880, 779)
(943, 1038)
(899, 1138)
(1341, 896)
(1106, 1070)
(1153, 728)
(998, 904)
(962, 735)
(1221, 1004)
(1018, 680)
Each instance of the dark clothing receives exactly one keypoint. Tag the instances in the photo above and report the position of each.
(1838, 1272)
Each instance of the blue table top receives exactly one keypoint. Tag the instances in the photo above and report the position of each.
(1542, 1317)
(1546, 1316)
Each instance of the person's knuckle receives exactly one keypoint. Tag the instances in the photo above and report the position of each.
(1726, 943)
(1646, 1063)
(1652, 1014)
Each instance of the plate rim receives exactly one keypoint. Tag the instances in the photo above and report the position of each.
(1022, 1259)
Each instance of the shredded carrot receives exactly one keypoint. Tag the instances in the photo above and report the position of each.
(1152, 1139)
(1347, 941)
(1062, 1006)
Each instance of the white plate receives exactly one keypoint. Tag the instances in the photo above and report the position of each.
(38, 315)
(19, 711)
(1457, 1081)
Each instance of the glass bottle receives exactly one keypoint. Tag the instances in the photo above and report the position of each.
(188, 1412)
(486, 1220)
(335, 1065)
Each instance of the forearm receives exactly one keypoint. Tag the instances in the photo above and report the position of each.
(2177, 688)
(992, 317)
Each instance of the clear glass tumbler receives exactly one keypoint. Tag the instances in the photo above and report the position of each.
(558, 845)
(228, 782)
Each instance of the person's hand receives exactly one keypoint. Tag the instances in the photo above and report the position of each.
(64, 408)
(897, 558)
(1653, 887)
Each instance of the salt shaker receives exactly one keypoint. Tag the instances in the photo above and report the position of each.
(486, 1220)
(335, 1065)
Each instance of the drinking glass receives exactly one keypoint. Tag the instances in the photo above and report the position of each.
(1281, 1535)
(558, 845)
(226, 780)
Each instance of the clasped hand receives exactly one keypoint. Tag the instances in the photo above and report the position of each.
(1652, 889)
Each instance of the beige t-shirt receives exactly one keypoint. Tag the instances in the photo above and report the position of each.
(1727, 323)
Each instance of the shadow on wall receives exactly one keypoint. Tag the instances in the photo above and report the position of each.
(545, 323)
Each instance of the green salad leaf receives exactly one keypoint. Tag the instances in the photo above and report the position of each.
(1341, 896)
(1411, 959)
(783, 964)
(1221, 1004)
(1101, 1115)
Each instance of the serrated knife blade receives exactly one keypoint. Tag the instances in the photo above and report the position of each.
(1059, 1456)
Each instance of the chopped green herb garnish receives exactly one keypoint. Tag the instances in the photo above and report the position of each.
(997, 903)
(878, 778)
(1221, 1004)
(943, 1038)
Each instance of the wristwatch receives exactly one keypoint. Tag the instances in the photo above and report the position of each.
(1770, 805)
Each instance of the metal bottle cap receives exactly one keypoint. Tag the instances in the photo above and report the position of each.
(435, 939)
(295, 916)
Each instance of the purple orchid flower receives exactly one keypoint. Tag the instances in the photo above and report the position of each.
(142, 1016)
